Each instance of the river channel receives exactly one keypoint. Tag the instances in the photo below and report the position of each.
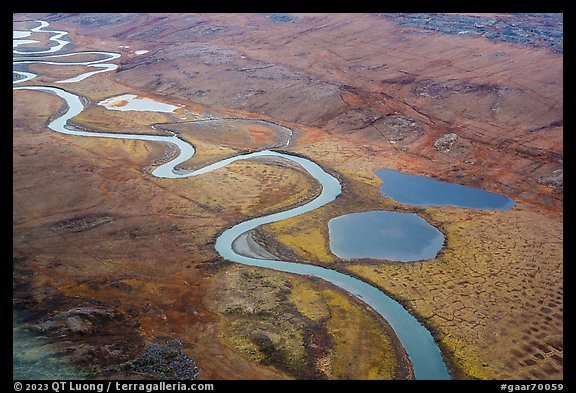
(424, 354)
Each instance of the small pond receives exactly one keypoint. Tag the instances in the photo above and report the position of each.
(395, 236)
(425, 191)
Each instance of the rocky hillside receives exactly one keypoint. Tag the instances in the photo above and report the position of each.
(404, 82)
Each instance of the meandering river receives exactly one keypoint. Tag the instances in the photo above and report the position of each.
(419, 344)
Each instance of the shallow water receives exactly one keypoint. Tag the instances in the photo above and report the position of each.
(137, 104)
(34, 358)
(18, 42)
(56, 38)
(394, 236)
(20, 33)
(424, 191)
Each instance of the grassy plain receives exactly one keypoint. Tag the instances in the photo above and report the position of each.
(91, 226)
(304, 327)
(97, 227)
(493, 297)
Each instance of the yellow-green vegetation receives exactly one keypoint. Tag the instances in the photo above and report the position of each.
(357, 162)
(303, 236)
(307, 235)
(253, 187)
(352, 330)
(495, 296)
(304, 327)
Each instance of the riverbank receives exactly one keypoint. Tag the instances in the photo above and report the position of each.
(480, 247)
(191, 215)
(423, 353)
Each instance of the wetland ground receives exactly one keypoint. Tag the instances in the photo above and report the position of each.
(109, 261)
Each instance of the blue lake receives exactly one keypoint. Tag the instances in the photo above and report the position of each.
(424, 191)
(394, 236)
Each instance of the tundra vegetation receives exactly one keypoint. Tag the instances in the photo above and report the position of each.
(117, 270)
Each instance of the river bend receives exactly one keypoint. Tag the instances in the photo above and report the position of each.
(419, 344)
